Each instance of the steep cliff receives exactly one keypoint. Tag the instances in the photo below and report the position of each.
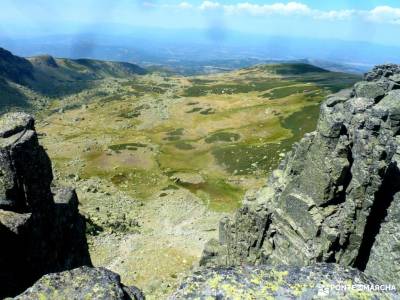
(41, 230)
(335, 197)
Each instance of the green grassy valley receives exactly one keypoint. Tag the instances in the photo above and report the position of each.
(158, 159)
(231, 129)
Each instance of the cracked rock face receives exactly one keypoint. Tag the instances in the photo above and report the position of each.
(41, 230)
(334, 198)
(320, 281)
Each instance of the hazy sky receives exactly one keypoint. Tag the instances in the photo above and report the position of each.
(365, 20)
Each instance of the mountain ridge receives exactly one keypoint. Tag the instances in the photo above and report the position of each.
(25, 80)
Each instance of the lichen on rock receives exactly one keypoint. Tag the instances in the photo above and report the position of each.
(320, 281)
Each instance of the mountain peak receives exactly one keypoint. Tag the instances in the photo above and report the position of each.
(44, 60)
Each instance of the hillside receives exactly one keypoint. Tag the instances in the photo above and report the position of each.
(33, 82)
(14, 68)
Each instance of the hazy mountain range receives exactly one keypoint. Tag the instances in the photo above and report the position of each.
(197, 51)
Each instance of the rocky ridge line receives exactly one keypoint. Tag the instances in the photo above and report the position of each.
(335, 197)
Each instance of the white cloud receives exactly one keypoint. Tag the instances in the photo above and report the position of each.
(381, 14)
(291, 8)
(385, 14)
(209, 5)
(185, 5)
(334, 15)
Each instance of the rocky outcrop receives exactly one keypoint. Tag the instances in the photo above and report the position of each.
(335, 196)
(81, 283)
(41, 230)
(321, 281)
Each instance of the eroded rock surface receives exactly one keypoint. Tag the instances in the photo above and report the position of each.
(41, 230)
(81, 283)
(334, 198)
(320, 281)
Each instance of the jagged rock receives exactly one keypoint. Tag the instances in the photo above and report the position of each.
(40, 232)
(329, 196)
(81, 283)
(25, 167)
(320, 281)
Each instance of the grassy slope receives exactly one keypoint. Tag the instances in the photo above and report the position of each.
(60, 77)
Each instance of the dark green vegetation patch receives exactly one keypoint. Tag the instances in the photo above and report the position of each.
(142, 89)
(288, 91)
(230, 89)
(183, 145)
(127, 146)
(194, 109)
(293, 69)
(208, 111)
(242, 159)
(247, 159)
(174, 135)
(223, 137)
(220, 195)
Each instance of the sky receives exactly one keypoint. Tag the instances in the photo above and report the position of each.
(356, 20)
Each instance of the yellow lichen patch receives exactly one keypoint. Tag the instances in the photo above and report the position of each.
(215, 281)
(277, 279)
(298, 289)
(235, 293)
